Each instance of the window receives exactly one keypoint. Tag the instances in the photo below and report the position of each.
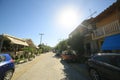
(102, 59)
(2, 58)
(110, 59)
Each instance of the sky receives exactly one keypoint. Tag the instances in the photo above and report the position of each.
(56, 19)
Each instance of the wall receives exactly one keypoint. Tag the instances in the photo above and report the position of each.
(108, 19)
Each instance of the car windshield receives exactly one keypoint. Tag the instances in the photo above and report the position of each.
(2, 58)
(53, 39)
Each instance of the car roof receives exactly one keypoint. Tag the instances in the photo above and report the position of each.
(8, 57)
(4, 54)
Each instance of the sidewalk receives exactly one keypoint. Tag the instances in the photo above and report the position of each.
(81, 68)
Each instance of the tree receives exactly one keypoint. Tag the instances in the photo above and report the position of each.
(76, 43)
(62, 45)
(44, 48)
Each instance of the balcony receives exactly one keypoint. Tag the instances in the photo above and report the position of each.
(107, 30)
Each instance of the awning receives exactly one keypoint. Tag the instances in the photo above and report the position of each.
(15, 40)
(111, 43)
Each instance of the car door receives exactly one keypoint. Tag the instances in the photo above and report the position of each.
(109, 69)
(114, 69)
(102, 65)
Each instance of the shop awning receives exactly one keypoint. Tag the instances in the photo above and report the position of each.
(111, 43)
(15, 40)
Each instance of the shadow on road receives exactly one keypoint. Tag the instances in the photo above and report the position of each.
(71, 73)
(57, 56)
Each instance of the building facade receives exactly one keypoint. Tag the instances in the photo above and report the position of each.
(96, 30)
(107, 24)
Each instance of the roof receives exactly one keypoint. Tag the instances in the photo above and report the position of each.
(82, 26)
(30, 42)
(15, 40)
(108, 11)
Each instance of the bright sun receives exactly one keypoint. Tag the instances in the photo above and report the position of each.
(67, 17)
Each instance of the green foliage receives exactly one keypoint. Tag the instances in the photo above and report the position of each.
(27, 49)
(62, 45)
(39, 51)
(76, 43)
(44, 48)
(29, 52)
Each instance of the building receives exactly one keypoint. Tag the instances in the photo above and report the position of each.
(89, 44)
(107, 25)
(101, 33)
(12, 45)
(84, 30)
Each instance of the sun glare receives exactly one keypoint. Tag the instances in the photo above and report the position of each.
(67, 17)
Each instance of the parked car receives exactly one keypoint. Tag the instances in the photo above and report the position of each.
(69, 56)
(7, 67)
(104, 66)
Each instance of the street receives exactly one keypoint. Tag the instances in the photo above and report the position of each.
(46, 67)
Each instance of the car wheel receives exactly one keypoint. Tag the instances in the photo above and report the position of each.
(94, 74)
(8, 75)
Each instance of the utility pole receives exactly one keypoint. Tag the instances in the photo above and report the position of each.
(41, 34)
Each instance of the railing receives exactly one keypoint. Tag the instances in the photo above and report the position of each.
(106, 30)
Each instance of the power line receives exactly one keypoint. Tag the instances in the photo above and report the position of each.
(91, 14)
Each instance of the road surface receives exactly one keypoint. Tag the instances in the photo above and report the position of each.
(46, 67)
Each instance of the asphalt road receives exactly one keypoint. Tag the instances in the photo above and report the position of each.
(46, 67)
